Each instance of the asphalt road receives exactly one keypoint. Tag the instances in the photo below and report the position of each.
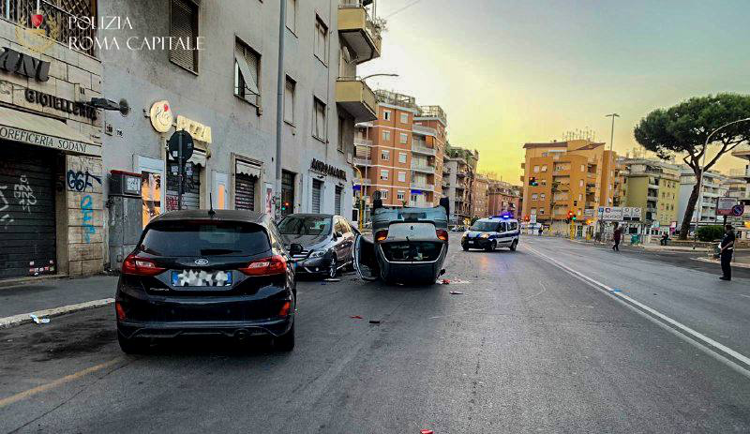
(527, 347)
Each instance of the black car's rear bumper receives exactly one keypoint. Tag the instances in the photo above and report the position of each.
(156, 329)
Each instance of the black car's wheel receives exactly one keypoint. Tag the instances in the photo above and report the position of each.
(491, 246)
(514, 246)
(285, 342)
(465, 247)
(334, 270)
(133, 345)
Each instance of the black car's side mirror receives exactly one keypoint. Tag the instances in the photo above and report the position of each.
(295, 249)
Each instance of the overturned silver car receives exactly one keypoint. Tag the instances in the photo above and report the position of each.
(409, 245)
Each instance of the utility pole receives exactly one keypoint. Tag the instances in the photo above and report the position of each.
(612, 135)
(281, 86)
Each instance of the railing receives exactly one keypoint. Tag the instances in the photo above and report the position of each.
(422, 167)
(423, 150)
(55, 22)
(359, 142)
(421, 186)
(363, 161)
(424, 130)
(372, 29)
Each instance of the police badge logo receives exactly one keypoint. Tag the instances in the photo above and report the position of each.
(35, 31)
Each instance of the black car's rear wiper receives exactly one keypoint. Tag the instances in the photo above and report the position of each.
(218, 251)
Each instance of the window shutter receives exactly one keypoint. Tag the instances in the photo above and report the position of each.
(184, 27)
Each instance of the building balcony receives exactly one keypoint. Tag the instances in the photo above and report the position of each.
(424, 150)
(422, 168)
(358, 29)
(363, 181)
(422, 186)
(356, 97)
(362, 161)
(425, 131)
(362, 142)
(742, 151)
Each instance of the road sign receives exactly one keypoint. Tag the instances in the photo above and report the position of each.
(612, 214)
(725, 205)
(589, 212)
(738, 210)
(187, 145)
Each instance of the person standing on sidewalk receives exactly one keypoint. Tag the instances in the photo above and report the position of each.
(617, 237)
(727, 249)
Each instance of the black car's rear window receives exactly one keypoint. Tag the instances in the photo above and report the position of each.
(205, 239)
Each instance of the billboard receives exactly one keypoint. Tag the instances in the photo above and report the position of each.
(724, 205)
(618, 214)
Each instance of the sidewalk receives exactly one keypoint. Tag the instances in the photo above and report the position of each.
(53, 297)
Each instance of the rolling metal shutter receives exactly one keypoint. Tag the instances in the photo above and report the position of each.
(244, 192)
(338, 200)
(183, 27)
(191, 196)
(316, 187)
(27, 211)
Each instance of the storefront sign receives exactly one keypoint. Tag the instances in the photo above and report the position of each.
(327, 169)
(24, 65)
(199, 131)
(60, 104)
(38, 139)
(161, 116)
(724, 205)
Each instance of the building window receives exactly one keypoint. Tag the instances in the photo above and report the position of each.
(386, 135)
(319, 115)
(404, 138)
(384, 174)
(544, 168)
(247, 73)
(541, 211)
(580, 183)
(385, 155)
(289, 94)
(401, 176)
(542, 196)
(321, 40)
(386, 115)
(536, 169)
(583, 168)
(402, 157)
(291, 15)
(183, 25)
(404, 118)
(533, 210)
(384, 194)
(534, 196)
(342, 130)
(401, 195)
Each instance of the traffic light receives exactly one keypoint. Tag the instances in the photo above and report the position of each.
(285, 206)
(571, 216)
(532, 181)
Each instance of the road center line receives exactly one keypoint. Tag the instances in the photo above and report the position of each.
(616, 293)
(56, 383)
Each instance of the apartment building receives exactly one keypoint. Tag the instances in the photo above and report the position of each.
(569, 176)
(653, 186)
(459, 171)
(503, 197)
(224, 92)
(400, 154)
(714, 187)
(480, 206)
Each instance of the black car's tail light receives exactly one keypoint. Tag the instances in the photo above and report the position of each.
(266, 267)
(442, 234)
(381, 235)
(136, 266)
(120, 311)
(285, 308)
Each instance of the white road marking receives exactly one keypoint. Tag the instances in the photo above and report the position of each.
(743, 295)
(697, 336)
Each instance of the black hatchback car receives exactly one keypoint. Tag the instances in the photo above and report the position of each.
(207, 273)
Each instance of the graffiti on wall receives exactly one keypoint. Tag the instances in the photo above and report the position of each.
(81, 181)
(87, 213)
(23, 192)
(5, 217)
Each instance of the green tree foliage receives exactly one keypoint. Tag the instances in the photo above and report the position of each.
(682, 131)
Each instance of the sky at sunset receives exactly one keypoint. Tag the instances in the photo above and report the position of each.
(509, 72)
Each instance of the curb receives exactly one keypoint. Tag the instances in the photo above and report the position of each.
(714, 261)
(25, 318)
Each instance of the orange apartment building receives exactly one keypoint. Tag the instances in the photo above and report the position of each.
(400, 154)
(575, 175)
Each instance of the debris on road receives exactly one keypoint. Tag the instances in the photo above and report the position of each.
(453, 282)
(374, 321)
(443, 282)
(456, 292)
(330, 279)
(426, 431)
(355, 317)
(38, 320)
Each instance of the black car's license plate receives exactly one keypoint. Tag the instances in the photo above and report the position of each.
(201, 278)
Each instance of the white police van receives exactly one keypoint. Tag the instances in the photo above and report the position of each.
(491, 233)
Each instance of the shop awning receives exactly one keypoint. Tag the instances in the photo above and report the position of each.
(248, 168)
(17, 126)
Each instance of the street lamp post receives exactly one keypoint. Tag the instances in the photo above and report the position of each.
(703, 164)
(612, 134)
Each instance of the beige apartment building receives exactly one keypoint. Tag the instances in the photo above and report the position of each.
(569, 176)
(400, 154)
(653, 186)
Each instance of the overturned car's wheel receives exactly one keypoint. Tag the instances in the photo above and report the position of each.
(133, 345)
(285, 342)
